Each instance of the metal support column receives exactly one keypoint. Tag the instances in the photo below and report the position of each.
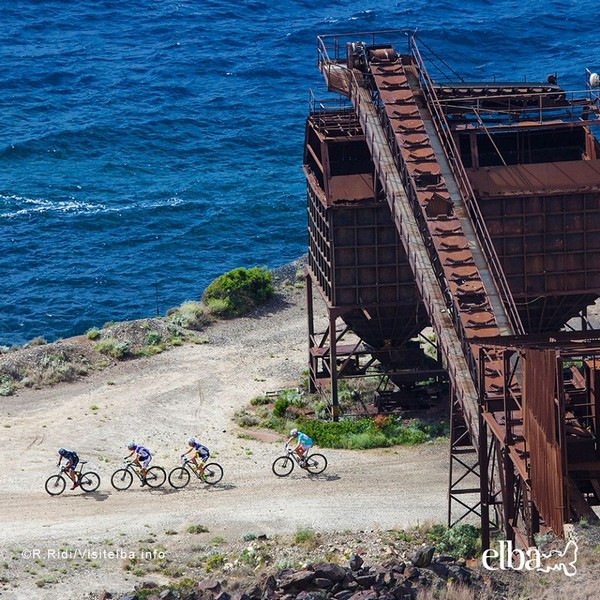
(312, 361)
(464, 472)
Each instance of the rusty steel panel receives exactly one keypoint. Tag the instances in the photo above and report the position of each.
(355, 254)
(549, 247)
(536, 179)
(348, 188)
(542, 425)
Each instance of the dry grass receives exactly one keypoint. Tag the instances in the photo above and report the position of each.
(455, 592)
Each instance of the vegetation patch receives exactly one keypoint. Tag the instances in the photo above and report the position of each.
(293, 408)
(197, 529)
(113, 347)
(462, 540)
(190, 315)
(235, 293)
(377, 432)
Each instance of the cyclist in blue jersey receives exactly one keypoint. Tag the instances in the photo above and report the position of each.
(142, 458)
(302, 447)
(72, 459)
(200, 452)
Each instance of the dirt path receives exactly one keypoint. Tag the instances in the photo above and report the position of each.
(159, 402)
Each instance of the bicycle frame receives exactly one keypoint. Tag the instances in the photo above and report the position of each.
(295, 456)
(189, 464)
(78, 470)
(134, 469)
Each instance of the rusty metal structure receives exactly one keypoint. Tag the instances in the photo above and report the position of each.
(473, 208)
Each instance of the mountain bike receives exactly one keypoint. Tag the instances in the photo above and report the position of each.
(123, 478)
(179, 477)
(314, 463)
(88, 482)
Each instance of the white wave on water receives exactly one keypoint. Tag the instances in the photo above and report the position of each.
(17, 206)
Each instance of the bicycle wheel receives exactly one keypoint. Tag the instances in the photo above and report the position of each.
(283, 466)
(316, 463)
(89, 482)
(213, 473)
(179, 477)
(55, 485)
(155, 476)
(121, 479)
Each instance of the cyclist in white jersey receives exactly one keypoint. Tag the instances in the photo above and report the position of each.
(142, 458)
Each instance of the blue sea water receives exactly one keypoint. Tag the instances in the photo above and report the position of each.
(148, 146)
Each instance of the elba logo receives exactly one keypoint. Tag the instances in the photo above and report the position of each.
(532, 559)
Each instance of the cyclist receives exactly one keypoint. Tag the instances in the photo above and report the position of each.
(302, 447)
(72, 459)
(142, 458)
(200, 452)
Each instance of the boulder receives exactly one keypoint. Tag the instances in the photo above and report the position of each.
(330, 571)
(356, 562)
(460, 574)
(364, 595)
(395, 565)
(253, 592)
(212, 586)
(343, 595)
(314, 595)
(365, 581)
(323, 583)
(422, 557)
(299, 580)
(440, 569)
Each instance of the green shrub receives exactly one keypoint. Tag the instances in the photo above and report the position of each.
(214, 562)
(241, 289)
(197, 529)
(7, 387)
(93, 333)
(461, 540)
(260, 401)
(190, 315)
(245, 419)
(218, 307)
(37, 341)
(280, 406)
(150, 350)
(306, 537)
(113, 347)
(153, 338)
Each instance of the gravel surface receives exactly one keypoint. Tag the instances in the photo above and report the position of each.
(160, 401)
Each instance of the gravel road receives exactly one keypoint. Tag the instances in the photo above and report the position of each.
(159, 402)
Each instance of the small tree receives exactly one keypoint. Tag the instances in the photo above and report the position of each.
(241, 290)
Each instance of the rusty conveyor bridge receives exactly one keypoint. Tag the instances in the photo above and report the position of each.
(511, 409)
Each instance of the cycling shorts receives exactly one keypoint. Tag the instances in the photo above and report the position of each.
(203, 454)
(72, 462)
(144, 460)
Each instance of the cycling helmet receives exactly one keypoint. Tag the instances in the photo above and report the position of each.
(62, 451)
(294, 432)
(191, 441)
(131, 445)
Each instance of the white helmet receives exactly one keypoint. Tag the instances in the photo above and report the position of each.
(191, 441)
(131, 445)
(293, 432)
